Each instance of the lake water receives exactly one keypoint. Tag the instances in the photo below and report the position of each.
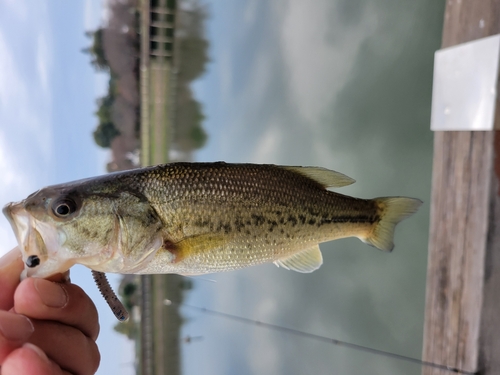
(344, 85)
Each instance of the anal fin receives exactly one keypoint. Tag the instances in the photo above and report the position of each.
(305, 261)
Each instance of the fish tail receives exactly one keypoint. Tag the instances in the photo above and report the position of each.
(391, 210)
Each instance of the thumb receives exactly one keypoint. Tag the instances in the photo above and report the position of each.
(11, 266)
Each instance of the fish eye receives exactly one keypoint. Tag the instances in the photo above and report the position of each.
(64, 207)
(32, 261)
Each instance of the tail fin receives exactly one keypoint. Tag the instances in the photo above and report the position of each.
(392, 211)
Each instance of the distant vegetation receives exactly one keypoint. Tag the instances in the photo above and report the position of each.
(193, 51)
(115, 49)
(96, 50)
(106, 130)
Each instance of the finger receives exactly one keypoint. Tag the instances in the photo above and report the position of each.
(11, 266)
(66, 346)
(65, 303)
(30, 360)
(15, 330)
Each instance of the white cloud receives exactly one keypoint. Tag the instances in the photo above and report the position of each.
(225, 75)
(10, 91)
(318, 62)
(12, 180)
(309, 49)
(17, 8)
(260, 76)
(263, 353)
(44, 62)
(15, 184)
(88, 15)
(25, 106)
(268, 146)
(250, 12)
(93, 14)
(25, 103)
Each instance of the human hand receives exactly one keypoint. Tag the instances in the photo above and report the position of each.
(46, 327)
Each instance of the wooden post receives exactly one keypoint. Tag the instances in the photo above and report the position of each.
(462, 317)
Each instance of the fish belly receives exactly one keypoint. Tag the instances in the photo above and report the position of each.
(227, 235)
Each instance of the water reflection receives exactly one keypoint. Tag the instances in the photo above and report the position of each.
(345, 85)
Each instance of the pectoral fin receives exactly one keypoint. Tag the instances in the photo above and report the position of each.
(305, 262)
(193, 245)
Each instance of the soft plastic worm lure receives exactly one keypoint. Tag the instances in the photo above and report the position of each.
(109, 295)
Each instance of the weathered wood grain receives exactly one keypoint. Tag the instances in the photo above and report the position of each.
(462, 318)
(489, 339)
(457, 244)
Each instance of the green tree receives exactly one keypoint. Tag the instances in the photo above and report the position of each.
(129, 289)
(104, 108)
(194, 55)
(190, 134)
(106, 130)
(105, 133)
(197, 134)
(96, 50)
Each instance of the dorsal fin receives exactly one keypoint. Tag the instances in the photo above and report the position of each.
(325, 177)
(304, 262)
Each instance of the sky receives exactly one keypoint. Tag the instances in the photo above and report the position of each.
(343, 84)
(48, 91)
(47, 96)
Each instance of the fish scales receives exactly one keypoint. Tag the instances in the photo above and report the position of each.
(194, 218)
(277, 212)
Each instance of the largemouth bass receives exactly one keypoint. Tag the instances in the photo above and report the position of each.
(195, 218)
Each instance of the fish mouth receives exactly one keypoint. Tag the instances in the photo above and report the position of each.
(33, 237)
(19, 220)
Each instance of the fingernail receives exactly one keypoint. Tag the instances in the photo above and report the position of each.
(15, 327)
(10, 257)
(37, 350)
(52, 294)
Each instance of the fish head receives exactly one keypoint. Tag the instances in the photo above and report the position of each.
(57, 227)
(96, 222)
